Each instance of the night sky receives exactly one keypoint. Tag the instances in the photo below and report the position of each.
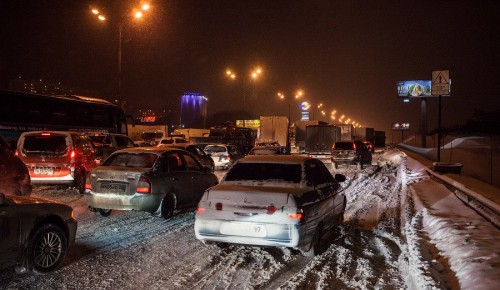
(346, 54)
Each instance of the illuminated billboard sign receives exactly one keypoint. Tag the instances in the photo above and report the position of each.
(414, 89)
(400, 126)
(304, 116)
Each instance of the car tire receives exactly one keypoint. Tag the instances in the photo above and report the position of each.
(314, 245)
(46, 249)
(79, 182)
(167, 206)
(104, 212)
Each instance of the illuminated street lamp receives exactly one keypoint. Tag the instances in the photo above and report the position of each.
(137, 14)
(297, 95)
(254, 75)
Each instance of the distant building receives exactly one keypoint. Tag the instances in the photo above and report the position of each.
(48, 88)
(193, 110)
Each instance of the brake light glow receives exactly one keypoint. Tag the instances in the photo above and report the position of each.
(218, 206)
(88, 186)
(45, 134)
(298, 215)
(354, 146)
(144, 185)
(200, 209)
(16, 153)
(271, 209)
(72, 154)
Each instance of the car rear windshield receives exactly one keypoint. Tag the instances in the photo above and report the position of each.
(215, 149)
(265, 171)
(45, 144)
(97, 139)
(143, 160)
(344, 146)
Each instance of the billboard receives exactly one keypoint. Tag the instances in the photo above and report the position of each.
(414, 89)
(400, 126)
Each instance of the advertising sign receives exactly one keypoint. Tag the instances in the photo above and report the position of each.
(414, 89)
(400, 126)
(305, 116)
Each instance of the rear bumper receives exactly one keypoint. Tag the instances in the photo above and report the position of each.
(140, 202)
(65, 180)
(275, 235)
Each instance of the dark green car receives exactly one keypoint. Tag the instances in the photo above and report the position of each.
(158, 180)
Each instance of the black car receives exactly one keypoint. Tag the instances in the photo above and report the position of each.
(197, 152)
(36, 233)
(351, 153)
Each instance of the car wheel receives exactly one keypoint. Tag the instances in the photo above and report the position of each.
(79, 182)
(104, 212)
(46, 249)
(167, 206)
(314, 246)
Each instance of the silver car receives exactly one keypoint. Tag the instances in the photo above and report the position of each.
(272, 200)
(158, 180)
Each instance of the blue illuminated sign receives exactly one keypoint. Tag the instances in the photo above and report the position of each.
(414, 89)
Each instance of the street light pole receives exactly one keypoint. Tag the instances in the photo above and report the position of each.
(120, 39)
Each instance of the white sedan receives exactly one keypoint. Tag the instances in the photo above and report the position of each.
(272, 200)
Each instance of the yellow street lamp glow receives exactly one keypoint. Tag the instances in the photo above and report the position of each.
(95, 11)
(320, 105)
(229, 72)
(348, 120)
(334, 111)
(232, 76)
(323, 113)
(138, 14)
(255, 75)
(145, 7)
(101, 17)
(333, 117)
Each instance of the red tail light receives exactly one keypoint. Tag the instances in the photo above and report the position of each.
(354, 146)
(295, 215)
(333, 146)
(218, 206)
(45, 134)
(16, 153)
(72, 154)
(88, 186)
(144, 185)
(271, 209)
(200, 209)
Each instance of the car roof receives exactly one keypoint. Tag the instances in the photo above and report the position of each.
(157, 150)
(279, 158)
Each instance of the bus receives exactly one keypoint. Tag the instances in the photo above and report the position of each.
(20, 112)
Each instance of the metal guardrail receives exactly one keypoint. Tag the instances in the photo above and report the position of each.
(485, 207)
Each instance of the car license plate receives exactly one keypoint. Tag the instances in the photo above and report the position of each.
(43, 170)
(113, 187)
(243, 229)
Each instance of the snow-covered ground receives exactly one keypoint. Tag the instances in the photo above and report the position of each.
(402, 231)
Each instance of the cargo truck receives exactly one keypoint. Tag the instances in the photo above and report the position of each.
(319, 141)
(274, 129)
(345, 132)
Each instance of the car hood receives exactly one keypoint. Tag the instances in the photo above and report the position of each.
(29, 200)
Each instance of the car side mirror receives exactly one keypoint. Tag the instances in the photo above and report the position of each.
(2, 199)
(339, 177)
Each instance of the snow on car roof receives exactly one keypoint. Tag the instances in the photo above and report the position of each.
(274, 158)
(157, 150)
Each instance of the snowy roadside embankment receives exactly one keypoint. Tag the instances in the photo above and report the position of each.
(459, 239)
